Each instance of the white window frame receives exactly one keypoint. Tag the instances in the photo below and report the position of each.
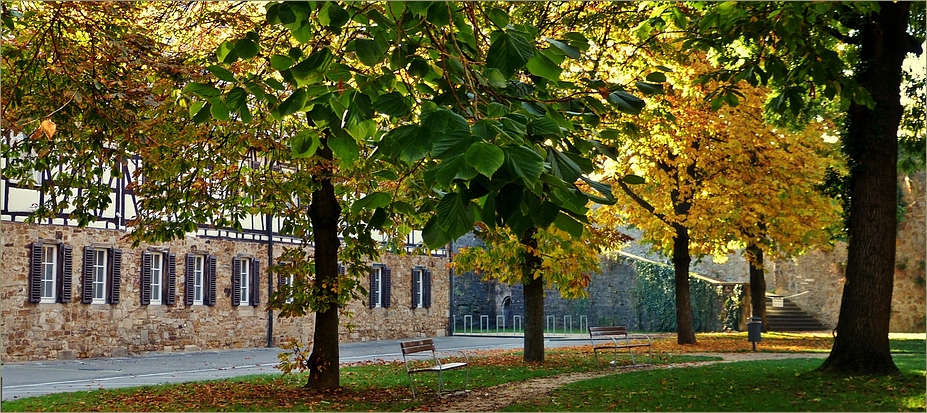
(199, 272)
(49, 274)
(420, 294)
(157, 277)
(245, 282)
(288, 280)
(378, 286)
(100, 275)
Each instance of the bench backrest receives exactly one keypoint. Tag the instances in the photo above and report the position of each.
(418, 346)
(608, 331)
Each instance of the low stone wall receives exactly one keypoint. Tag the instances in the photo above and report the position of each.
(74, 330)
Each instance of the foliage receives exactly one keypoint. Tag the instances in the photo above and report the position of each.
(780, 385)
(653, 294)
(567, 262)
(293, 357)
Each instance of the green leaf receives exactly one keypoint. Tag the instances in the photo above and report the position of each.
(414, 142)
(626, 102)
(656, 77)
(372, 201)
(524, 162)
(195, 108)
(485, 157)
(218, 110)
(546, 214)
(281, 62)
(236, 99)
(455, 216)
(499, 17)
(368, 51)
(203, 90)
(221, 73)
(245, 114)
(570, 225)
(664, 69)
(304, 144)
(303, 33)
(332, 15)
(293, 104)
(345, 148)
(316, 63)
(433, 235)
(541, 65)
(496, 109)
(225, 53)
(203, 114)
(633, 180)
(246, 48)
(452, 168)
(602, 188)
(509, 52)
(545, 127)
(393, 104)
(363, 130)
(649, 88)
(448, 128)
(568, 50)
(418, 67)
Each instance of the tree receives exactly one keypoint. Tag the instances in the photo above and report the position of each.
(716, 179)
(796, 49)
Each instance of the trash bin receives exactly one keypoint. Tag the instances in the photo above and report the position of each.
(755, 331)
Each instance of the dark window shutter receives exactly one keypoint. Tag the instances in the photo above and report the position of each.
(210, 299)
(115, 275)
(170, 283)
(188, 280)
(236, 281)
(341, 269)
(387, 286)
(35, 273)
(65, 253)
(255, 282)
(87, 278)
(426, 289)
(415, 282)
(145, 279)
(373, 292)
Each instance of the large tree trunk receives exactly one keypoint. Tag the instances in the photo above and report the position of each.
(534, 301)
(758, 285)
(871, 143)
(685, 330)
(324, 213)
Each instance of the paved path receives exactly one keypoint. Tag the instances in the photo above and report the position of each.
(44, 377)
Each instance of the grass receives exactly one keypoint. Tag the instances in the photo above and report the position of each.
(780, 385)
(785, 385)
(381, 386)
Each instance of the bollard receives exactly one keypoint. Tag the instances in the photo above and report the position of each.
(755, 331)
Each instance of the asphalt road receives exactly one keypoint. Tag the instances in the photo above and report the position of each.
(25, 379)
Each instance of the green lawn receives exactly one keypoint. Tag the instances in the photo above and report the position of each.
(784, 385)
(776, 386)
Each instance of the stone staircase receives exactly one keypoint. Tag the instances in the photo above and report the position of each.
(790, 317)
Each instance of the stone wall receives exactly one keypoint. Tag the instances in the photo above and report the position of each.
(75, 330)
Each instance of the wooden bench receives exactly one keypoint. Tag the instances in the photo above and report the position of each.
(617, 338)
(420, 357)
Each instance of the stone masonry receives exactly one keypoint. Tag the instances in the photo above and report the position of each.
(74, 330)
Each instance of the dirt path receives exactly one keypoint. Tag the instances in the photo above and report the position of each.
(497, 397)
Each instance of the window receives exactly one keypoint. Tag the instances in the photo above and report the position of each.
(287, 280)
(380, 286)
(200, 280)
(159, 278)
(50, 273)
(245, 281)
(102, 275)
(157, 270)
(421, 288)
